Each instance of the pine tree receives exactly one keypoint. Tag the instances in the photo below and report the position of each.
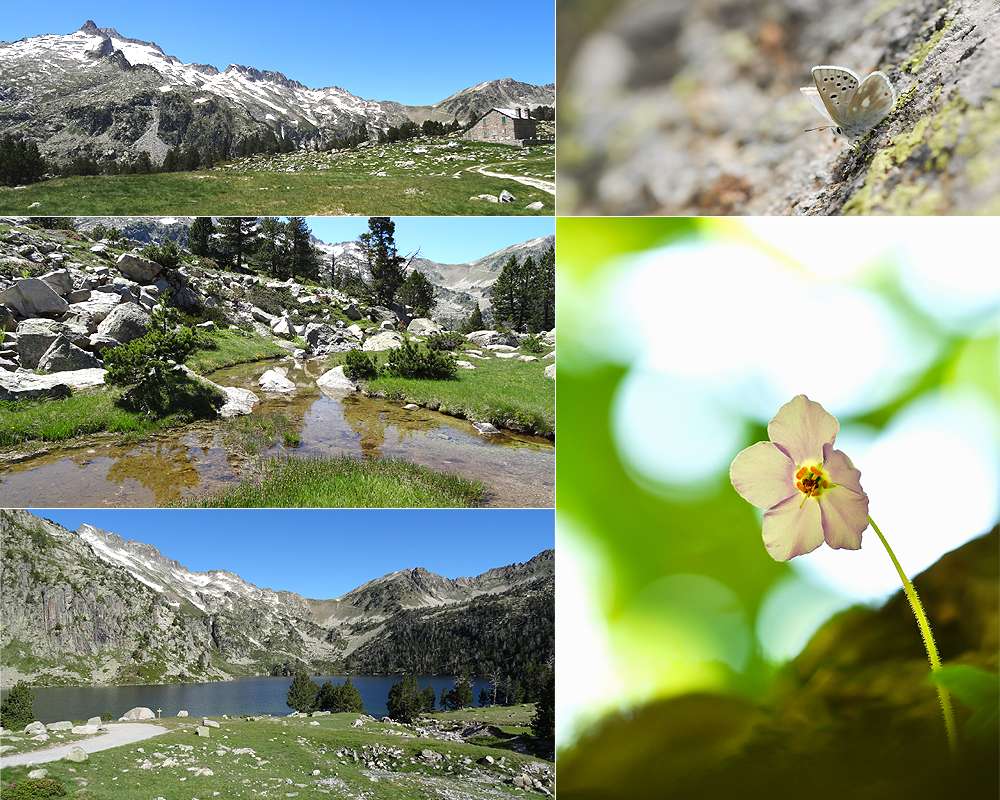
(273, 255)
(384, 264)
(460, 695)
(200, 236)
(429, 698)
(418, 293)
(302, 257)
(503, 293)
(543, 292)
(302, 693)
(17, 709)
(236, 232)
(543, 724)
(405, 701)
(474, 322)
(20, 161)
(350, 697)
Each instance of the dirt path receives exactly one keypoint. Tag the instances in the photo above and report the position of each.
(535, 183)
(117, 735)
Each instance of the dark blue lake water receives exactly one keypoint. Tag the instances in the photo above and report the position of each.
(243, 696)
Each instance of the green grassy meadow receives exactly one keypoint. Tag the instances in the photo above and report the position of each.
(508, 393)
(305, 758)
(418, 177)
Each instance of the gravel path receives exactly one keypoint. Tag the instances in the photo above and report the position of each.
(536, 183)
(117, 735)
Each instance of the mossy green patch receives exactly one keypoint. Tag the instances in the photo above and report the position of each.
(930, 148)
(915, 62)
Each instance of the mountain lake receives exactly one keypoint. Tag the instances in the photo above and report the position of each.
(244, 696)
(195, 460)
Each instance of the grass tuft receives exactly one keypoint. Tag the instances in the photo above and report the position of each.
(348, 482)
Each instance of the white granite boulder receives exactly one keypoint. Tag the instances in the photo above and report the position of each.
(32, 297)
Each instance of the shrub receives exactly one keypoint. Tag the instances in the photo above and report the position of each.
(302, 693)
(405, 701)
(33, 789)
(17, 709)
(359, 366)
(449, 340)
(148, 368)
(273, 301)
(343, 697)
(166, 254)
(534, 344)
(20, 161)
(410, 361)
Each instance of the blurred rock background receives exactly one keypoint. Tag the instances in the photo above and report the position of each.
(677, 107)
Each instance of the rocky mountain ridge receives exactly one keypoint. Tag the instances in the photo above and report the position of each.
(98, 93)
(93, 607)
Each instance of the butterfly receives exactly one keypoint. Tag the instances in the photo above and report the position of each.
(854, 106)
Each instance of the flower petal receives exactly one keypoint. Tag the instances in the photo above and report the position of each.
(801, 428)
(845, 517)
(793, 528)
(762, 474)
(841, 470)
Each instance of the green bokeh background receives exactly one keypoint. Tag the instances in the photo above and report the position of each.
(682, 576)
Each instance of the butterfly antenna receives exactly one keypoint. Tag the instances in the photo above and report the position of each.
(822, 128)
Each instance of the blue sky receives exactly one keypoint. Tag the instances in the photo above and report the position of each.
(413, 52)
(447, 240)
(325, 553)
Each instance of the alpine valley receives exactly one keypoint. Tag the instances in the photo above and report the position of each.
(100, 94)
(92, 608)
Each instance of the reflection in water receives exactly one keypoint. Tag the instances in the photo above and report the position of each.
(201, 459)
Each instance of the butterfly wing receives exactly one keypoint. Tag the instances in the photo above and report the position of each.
(869, 105)
(812, 95)
(835, 86)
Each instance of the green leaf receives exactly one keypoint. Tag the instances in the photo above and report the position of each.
(977, 690)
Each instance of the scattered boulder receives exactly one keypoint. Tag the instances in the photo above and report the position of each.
(93, 311)
(505, 355)
(126, 322)
(282, 327)
(139, 712)
(489, 198)
(32, 297)
(25, 385)
(59, 281)
(34, 728)
(550, 372)
(34, 338)
(210, 723)
(486, 761)
(63, 355)
(352, 312)
(204, 732)
(527, 359)
(320, 336)
(506, 197)
(84, 730)
(538, 205)
(501, 348)
(63, 725)
(77, 754)
(139, 269)
(386, 340)
(239, 402)
(421, 326)
(486, 428)
(99, 343)
(464, 364)
(430, 755)
(95, 721)
(182, 713)
(486, 338)
(274, 380)
(334, 382)
(37, 774)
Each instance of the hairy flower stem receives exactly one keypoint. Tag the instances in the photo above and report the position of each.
(925, 633)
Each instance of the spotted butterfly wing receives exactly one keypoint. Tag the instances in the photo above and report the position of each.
(812, 95)
(835, 86)
(869, 105)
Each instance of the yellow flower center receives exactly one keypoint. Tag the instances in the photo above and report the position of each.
(811, 480)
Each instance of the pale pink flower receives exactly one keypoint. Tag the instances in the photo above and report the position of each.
(811, 492)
